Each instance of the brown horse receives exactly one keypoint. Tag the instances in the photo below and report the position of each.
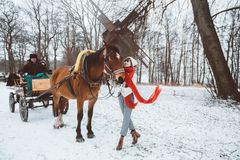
(85, 88)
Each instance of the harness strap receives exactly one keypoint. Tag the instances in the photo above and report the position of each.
(70, 88)
(121, 70)
(57, 85)
(84, 73)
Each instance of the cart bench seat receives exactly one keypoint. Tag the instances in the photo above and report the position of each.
(40, 84)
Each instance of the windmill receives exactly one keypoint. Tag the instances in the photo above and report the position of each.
(118, 35)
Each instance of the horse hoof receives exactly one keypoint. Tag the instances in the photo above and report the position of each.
(55, 127)
(80, 140)
(58, 126)
(90, 135)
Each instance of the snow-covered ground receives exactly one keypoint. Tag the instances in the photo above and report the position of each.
(184, 124)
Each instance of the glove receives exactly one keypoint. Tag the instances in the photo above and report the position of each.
(125, 91)
(120, 80)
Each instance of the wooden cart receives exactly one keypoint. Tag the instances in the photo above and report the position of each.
(41, 92)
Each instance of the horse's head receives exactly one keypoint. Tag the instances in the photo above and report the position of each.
(13, 79)
(114, 64)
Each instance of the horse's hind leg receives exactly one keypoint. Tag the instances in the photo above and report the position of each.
(79, 137)
(62, 105)
(91, 103)
(57, 114)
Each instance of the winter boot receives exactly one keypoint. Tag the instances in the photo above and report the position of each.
(135, 136)
(120, 143)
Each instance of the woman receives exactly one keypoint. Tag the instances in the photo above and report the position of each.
(126, 111)
(126, 99)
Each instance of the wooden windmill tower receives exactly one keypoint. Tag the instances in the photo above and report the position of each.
(118, 35)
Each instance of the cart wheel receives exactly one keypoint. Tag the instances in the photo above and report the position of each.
(45, 103)
(66, 107)
(11, 102)
(23, 109)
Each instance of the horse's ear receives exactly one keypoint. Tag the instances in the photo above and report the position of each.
(118, 56)
(105, 53)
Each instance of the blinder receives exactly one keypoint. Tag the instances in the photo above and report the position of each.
(108, 69)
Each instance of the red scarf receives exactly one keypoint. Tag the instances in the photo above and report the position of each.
(129, 72)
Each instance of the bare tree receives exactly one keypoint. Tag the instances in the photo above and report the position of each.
(76, 12)
(68, 41)
(56, 43)
(212, 48)
(50, 27)
(21, 45)
(232, 50)
(9, 29)
(34, 12)
(55, 23)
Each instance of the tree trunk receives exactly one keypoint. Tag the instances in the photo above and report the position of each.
(55, 58)
(184, 68)
(11, 61)
(139, 71)
(212, 48)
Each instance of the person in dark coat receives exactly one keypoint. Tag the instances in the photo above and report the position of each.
(33, 66)
(34, 69)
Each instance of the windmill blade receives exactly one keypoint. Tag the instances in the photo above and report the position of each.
(118, 35)
(103, 18)
(141, 7)
(130, 48)
(144, 58)
(106, 22)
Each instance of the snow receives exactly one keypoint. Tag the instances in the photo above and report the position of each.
(184, 123)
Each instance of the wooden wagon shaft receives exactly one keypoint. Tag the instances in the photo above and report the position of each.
(52, 88)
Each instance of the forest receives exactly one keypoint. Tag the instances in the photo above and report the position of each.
(190, 42)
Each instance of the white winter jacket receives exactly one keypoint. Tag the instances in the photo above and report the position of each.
(125, 91)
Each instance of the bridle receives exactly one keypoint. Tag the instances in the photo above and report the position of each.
(108, 70)
(109, 74)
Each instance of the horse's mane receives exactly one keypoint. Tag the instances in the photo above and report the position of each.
(94, 58)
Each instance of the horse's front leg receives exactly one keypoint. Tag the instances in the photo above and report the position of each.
(79, 137)
(91, 103)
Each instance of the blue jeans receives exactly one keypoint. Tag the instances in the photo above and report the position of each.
(126, 111)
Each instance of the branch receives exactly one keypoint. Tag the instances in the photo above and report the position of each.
(226, 10)
(166, 6)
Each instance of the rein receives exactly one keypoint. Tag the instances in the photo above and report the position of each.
(57, 85)
(109, 94)
(110, 72)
